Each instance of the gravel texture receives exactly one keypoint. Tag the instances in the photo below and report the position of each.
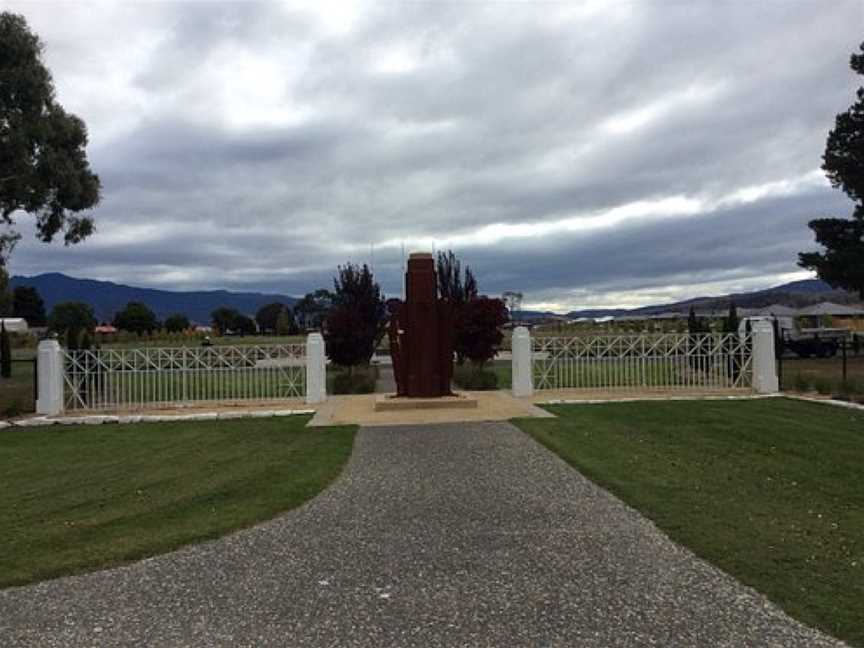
(447, 535)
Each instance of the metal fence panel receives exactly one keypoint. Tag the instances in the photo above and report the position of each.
(122, 379)
(666, 361)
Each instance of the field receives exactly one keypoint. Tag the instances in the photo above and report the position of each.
(768, 490)
(78, 498)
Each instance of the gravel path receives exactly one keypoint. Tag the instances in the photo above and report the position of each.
(449, 535)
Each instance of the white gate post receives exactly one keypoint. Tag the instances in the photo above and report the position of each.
(49, 365)
(764, 358)
(316, 369)
(523, 383)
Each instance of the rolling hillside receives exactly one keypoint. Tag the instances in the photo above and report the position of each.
(106, 297)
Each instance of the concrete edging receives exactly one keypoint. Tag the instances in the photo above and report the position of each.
(100, 419)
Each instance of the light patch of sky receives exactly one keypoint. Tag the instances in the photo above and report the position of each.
(662, 208)
(587, 299)
(675, 103)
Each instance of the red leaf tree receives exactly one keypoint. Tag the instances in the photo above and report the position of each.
(478, 329)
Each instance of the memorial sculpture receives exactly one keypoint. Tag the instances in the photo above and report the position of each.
(421, 334)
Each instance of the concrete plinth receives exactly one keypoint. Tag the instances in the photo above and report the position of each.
(391, 402)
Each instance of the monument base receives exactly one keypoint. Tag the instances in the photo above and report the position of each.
(392, 402)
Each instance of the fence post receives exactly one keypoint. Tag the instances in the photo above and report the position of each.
(316, 369)
(764, 358)
(523, 383)
(49, 368)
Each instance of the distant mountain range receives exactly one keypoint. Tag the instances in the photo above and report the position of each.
(107, 297)
(796, 294)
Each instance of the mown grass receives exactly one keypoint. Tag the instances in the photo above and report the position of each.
(769, 490)
(78, 498)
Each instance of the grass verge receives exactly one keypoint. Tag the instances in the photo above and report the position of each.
(78, 498)
(767, 490)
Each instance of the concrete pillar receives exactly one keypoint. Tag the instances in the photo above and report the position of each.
(764, 359)
(49, 400)
(316, 369)
(523, 378)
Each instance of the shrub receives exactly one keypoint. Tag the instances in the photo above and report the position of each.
(801, 383)
(355, 381)
(823, 386)
(475, 378)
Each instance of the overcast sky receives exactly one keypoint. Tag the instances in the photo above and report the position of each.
(588, 154)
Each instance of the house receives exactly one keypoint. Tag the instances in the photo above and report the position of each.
(14, 324)
(830, 315)
(105, 329)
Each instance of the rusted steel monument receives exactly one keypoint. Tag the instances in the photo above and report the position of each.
(421, 334)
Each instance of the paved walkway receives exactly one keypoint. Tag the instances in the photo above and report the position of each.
(449, 535)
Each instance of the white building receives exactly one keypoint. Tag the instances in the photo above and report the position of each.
(14, 324)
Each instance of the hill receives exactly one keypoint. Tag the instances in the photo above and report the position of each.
(796, 294)
(107, 297)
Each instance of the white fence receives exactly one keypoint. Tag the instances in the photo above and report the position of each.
(118, 379)
(643, 362)
(152, 378)
(662, 362)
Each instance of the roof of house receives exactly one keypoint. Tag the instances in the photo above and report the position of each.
(828, 308)
(778, 310)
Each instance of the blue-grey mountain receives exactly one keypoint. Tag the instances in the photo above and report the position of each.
(107, 297)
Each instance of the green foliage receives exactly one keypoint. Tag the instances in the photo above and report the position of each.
(823, 386)
(229, 321)
(27, 303)
(268, 317)
(475, 378)
(731, 322)
(136, 317)
(5, 353)
(70, 319)
(311, 311)
(801, 383)
(43, 165)
(843, 162)
(244, 325)
(285, 324)
(452, 284)
(356, 322)
(354, 381)
(177, 323)
(696, 324)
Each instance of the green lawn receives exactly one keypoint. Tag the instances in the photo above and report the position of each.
(77, 498)
(768, 490)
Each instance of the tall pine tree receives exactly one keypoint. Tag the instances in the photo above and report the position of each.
(841, 264)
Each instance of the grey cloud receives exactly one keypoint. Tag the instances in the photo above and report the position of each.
(501, 121)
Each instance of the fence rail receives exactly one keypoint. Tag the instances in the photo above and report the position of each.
(116, 379)
(643, 362)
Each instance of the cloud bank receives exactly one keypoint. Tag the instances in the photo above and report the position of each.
(592, 154)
